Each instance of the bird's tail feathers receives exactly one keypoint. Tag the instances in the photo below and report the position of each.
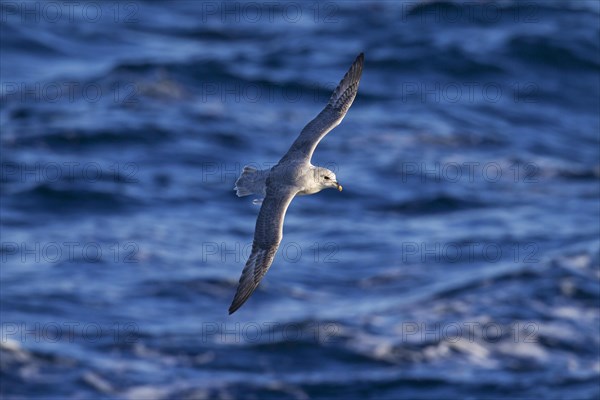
(251, 181)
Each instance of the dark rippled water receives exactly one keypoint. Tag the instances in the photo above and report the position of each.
(460, 261)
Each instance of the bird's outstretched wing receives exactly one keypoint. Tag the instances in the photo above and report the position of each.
(267, 236)
(337, 107)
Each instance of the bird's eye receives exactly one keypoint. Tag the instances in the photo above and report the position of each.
(326, 178)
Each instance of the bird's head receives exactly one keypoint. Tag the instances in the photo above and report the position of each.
(327, 179)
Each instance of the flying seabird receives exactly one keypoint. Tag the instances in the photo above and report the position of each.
(293, 175)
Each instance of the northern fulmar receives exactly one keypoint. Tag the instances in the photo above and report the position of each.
(293, 175)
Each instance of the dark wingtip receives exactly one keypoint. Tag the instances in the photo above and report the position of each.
(238, 301)
(346, 90)
(355, 70)
(360, 59)
(234, 306)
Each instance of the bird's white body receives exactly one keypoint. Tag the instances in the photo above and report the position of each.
(307, 178)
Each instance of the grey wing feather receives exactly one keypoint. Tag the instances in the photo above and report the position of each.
(267, 236)
(337, 107)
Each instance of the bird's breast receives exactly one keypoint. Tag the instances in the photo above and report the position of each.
(307, 191)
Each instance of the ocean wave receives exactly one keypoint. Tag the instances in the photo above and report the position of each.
(442, 203)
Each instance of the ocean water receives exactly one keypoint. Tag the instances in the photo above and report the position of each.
(460, 261)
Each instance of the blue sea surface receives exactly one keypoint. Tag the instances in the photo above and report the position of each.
(460, 261)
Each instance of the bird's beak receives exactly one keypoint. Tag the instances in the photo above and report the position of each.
(339, 187)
